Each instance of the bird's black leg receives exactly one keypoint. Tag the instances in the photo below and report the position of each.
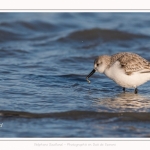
(136, 91)
(124, 89)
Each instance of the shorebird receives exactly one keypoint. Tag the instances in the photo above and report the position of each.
(129, 70)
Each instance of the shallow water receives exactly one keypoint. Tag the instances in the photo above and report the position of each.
(45, 58)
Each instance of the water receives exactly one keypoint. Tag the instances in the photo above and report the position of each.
(44, 59)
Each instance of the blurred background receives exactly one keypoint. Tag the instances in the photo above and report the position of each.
(44, 60)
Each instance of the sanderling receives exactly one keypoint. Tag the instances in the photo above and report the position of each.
(128, 70)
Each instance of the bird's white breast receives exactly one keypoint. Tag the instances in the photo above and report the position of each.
(116, 73)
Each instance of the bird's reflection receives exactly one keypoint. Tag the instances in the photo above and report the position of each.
(125, 102)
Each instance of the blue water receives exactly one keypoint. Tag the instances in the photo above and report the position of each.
(44, 61)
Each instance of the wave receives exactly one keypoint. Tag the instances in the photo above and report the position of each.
(6, 52)
(32, 26)
(9, 35)
(104, 34)
(37, 30)
(76, 114)
(23, 30)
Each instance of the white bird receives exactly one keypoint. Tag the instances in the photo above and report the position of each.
(128, 70)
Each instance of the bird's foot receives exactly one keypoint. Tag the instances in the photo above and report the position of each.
(124, 89)
(136, 91)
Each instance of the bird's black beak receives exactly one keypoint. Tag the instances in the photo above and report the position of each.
(90, 74)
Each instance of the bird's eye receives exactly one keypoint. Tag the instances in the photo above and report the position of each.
(99, 64)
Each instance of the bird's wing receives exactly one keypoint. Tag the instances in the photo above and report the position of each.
(131, 62)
